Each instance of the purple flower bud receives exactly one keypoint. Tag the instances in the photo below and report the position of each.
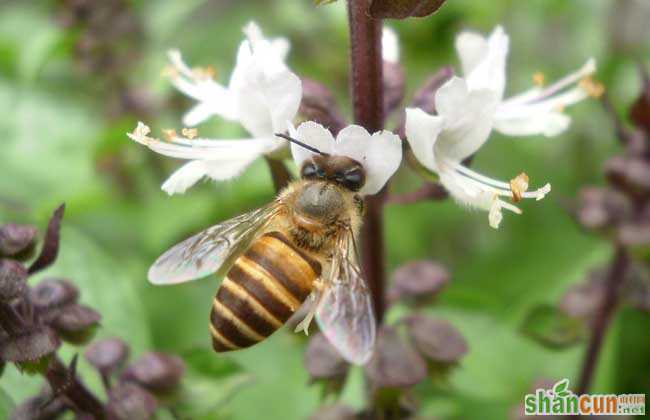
(12, 280)
(630, 174)
(318, 104)
(76, 324)
(16, 239)
(53, 293)
(29, 347)
(420, 280)
(600, 208)
(402, 9)
(436, 339)
(158, 372)
(40, 407)
(582, 300)
(334, 412)
(107, 355)
(323, 361)
(128, 401)
(50, 249)
(636, 236)
(394, 364)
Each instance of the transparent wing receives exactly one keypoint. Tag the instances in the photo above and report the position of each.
(344, 310)
(208, 251)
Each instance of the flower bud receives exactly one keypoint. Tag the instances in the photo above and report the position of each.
(107, 355)
(419, 280)
(323, 361)
(40, 407)
(436, 339)
(334, 412)
(30, 348)
(636, 236)
(16, 240)
(128, 401)
(318, 104)
(394, 364)
(630, 174)
(12, 280)
(76, 324)
(402, 9)
(53, 293)
(582, 300)
(600, 208)
(158, 372)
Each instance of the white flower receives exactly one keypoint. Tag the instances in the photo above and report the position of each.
(469, 108)
(380, 154)
(262, 95)
(535, 111)
(441, 142)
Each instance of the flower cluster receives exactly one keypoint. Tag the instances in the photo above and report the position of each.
(34, 321)
(264, 96)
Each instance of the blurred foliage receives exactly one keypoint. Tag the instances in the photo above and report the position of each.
(59, 139)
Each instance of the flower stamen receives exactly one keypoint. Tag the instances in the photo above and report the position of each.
(539, 79)
(190, 133)
(593, 88)
(169, 134)
(518, 186)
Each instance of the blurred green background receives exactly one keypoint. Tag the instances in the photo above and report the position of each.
(62, 140)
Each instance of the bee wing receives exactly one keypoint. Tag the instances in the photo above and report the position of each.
(344, 311)
(210, 250)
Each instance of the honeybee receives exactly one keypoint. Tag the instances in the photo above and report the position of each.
(299, 249)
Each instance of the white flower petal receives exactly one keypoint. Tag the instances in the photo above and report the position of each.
(380, 154)
(192, 172)
(490, 72)
(471, 48)
(390, 45)
(199, 113)
(314, 135)
(468, 118)
(548, 124)
(422, 131)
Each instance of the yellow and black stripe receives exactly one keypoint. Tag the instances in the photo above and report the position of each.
(264, 287)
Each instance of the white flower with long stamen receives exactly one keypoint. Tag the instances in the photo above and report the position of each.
(469, 108)
(380, 154)
(262, 95)
(441, 142)
(538, 110)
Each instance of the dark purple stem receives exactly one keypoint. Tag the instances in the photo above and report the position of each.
(64, 381)
(604, 316)
(279, 173)
(366, 88)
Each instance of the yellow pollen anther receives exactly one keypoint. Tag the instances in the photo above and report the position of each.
(518, 186)
(190, 133)
(169, 71)
(539, 79)
(559, 108)
(203, 73)
(169, 134)
(591, 87)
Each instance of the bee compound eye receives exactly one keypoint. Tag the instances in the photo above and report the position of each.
(354, 179)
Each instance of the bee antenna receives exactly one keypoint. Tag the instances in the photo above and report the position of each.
(301, 144)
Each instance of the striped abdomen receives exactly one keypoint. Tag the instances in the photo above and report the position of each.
(265, 286)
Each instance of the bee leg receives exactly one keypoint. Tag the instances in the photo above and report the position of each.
(303, 325)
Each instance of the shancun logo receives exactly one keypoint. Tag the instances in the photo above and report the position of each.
(561, 400)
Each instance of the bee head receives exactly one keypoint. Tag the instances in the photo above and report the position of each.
(341, 170)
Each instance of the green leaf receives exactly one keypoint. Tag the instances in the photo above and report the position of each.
(552, 328)
(210, 382)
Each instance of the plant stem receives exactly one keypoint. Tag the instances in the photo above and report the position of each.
(366, 89)
(604, 316)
